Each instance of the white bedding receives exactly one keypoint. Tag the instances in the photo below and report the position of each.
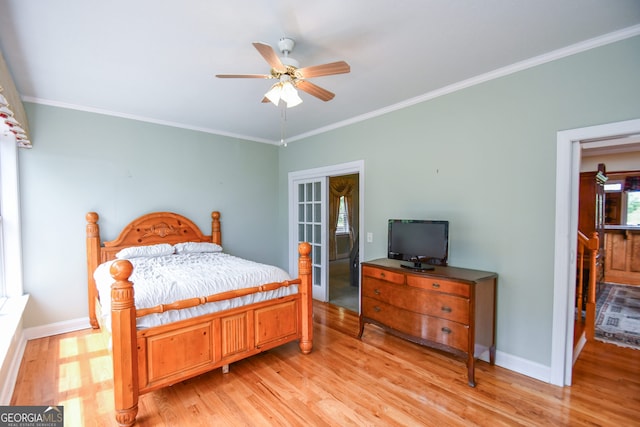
(169, 278)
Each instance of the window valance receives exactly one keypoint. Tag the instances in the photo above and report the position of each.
(632, 183)
(12, 113)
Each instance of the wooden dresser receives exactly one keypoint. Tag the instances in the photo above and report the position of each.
(448, 308)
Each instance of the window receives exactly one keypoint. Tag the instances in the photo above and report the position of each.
(10, 247)
(613, 186)
(622, 207)
(343, 218)
(3, 290)
(633, 207)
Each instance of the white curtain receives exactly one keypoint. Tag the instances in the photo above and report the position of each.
(12, 114)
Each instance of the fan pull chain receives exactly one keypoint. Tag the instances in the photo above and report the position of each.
(283, 123)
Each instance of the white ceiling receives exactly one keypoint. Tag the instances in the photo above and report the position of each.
(155, 60)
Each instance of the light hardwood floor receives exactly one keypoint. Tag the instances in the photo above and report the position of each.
(377, 381)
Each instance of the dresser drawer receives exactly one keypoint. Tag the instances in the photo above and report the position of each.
(421, 326)
(450, 307)
(379, 273)
(440, 285)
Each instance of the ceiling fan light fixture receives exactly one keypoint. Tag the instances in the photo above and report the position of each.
(274, 94)
(283, 91)
(290, 95)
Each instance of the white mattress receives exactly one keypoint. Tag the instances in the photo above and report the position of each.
(169, 278)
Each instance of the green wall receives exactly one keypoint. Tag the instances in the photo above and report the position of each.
(121, 169)
(484, 158)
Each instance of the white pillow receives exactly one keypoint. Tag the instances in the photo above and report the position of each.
(190, 247)
(146, 251)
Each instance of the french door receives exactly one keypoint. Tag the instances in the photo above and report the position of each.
(310, 222)
(308, 219)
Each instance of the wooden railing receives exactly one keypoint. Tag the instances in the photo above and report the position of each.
(591, 246)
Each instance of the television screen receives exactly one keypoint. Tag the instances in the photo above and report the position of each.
(422, 242)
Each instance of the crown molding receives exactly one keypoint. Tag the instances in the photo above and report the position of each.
(564, 52)
(482, 78)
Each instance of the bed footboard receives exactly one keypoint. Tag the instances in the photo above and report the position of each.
(140, 361)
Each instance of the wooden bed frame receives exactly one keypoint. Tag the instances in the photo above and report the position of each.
(147, 359)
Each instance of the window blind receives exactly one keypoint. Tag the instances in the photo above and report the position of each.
(12, 115)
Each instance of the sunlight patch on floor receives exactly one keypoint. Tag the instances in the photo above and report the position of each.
(69, 376)
(68, 347)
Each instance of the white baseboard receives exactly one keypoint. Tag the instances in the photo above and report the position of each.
(9, 382)
(57, 328)
(579, 346)
(524, 366)
(12, 344)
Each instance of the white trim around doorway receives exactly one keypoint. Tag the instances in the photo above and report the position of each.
(568, 151)
(355, 167)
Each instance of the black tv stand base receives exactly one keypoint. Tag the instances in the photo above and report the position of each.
(418, 268)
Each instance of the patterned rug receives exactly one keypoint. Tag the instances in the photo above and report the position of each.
(618, 315)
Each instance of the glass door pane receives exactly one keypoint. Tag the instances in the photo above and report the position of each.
(311, 217)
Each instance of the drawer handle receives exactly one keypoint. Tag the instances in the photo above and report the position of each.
(447, 309)
(376, 291)
(382, 275)
(435, 285)
(446, 330)
(376, 309)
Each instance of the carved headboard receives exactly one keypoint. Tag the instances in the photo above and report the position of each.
(159, 227)
(149, 229)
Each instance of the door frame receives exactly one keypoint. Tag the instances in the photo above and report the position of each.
(568, 152)
(355, 167)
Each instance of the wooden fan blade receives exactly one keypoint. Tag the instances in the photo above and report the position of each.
(270, 56)
(244, 76)
(314, 90)
(339, 67)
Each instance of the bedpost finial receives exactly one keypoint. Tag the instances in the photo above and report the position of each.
(92, 217)
(93, 230)
(304, 248)
(121, 270)
(215, 215)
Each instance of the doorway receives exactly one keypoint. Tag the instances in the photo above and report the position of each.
(343, 238)
(568, 157)
(299, 214)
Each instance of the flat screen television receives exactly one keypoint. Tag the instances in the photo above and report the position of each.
(423, 243)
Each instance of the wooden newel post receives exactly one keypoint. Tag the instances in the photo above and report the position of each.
(125, 352)
(93, 259)
(590, 317)
(306, 291)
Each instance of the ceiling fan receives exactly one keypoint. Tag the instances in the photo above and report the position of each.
(286, 70)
